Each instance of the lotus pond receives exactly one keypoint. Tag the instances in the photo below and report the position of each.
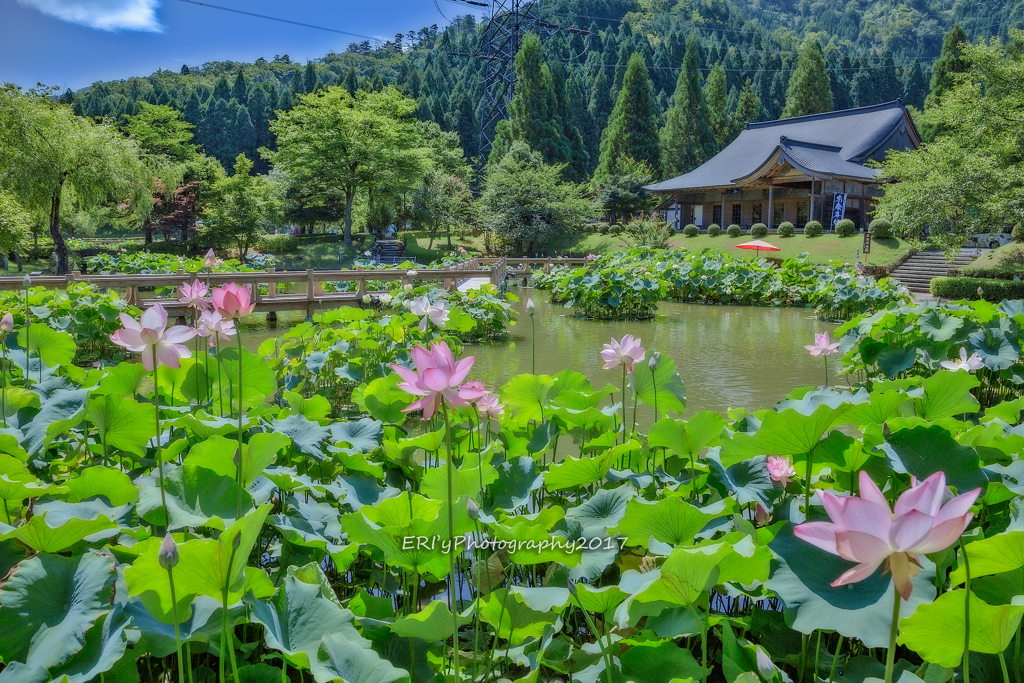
(351, 502)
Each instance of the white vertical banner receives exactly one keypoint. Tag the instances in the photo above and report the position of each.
(838, 208)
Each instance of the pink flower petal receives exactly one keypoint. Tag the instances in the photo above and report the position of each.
(856, 574)
(943, 535)
(926, 498)
(179, 334)
(819, 534)
(857, 546)
(434, 379)
(908, 530)
(870, 491)
(863, 515)
(958, 507)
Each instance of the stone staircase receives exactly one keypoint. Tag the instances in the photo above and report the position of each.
(389, 252)
(918, 270)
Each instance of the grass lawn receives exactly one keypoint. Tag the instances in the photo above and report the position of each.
(1008, 258)
(822, 249)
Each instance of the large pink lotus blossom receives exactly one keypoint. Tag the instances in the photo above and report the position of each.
(154, 335)
(780, 469)
(964, 363)
(624, 352)
(823, 346)
(437, 378)
(489, 406)
(193, 294)
(214, 327)
(430, 312)
(233, 300)
(866, 531)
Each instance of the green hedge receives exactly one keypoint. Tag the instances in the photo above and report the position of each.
(967, 288)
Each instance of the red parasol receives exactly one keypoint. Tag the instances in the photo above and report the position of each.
(759, 246)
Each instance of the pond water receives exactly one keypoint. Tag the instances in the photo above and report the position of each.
(728, 356)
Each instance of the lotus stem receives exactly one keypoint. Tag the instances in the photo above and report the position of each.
(238, 466)
(890, 656)
(227, 641)
(967, 613)
(703, 643)
(159, 454)
(533, 343)
(450, 466)
(835, 659)
(3, 390)
(177, 630)
(807, 484)
(605, 650)
(28, 331)
(1002, 664)
(623, 404)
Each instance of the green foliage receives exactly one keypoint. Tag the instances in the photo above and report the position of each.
(622, 194)
(758, 230)
(687, 139)
(632, 131)
(714, 230)
(161, 132)
(1018, 233)
(785, 229)
(734, 230)
(880, 229)
(809, 90)
(15, 223)
(968, 288)
(648, 231)
(845, 228)
(812, 229)
(690, 230)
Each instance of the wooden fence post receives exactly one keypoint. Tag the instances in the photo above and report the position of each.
(272, 286)
(310, 293)
(360, 285)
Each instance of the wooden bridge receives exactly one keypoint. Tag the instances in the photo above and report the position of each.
(297, 290)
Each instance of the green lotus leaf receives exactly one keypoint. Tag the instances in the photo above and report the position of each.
(896, 360)
(363, 435)
(55, 348)
(599, 600)
(688, 439)
(670, 520)
(258, 378)
(939, 327)
(533, 544)
(513, 619)
(782, 433)
(1007, 411)
(298, 616)
(517, 479)
(121, 423)
(663, 387)
(259, 673)
(572, 472)
(995, 350)
(947, 393)
(936, 631)
(314, 408)
(307, 436)
(124, 379)
(217, 453)
(433, 623)
(43, 538)
(48, 605)
(384, 401)
(993, 555)
(882, 406)
(465, 482)
(108, 482)
(746, 481)
(663, 661)
(63, 410)
(526, 395)
(862, 610)
(206, 567)
(196, 496)
(602, 510)
(342, 659)
(105, 645)
(204, 426)
(923, 451)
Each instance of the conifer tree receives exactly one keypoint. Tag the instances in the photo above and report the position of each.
(576, 171)
(632, 131)
(298, 84)
(748, 108)
(309, 79)
(533, 111)
(914, 87)
(718, 106)
(949, 63)
(244, 133)
(600, 105)
(221, 91)
(687, 140)
(240, 90)
(862, 88)
(809, 90)
(287, 99)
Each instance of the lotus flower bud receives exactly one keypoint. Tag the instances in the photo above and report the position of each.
(236, 459)
(26, 282)
(168, 556)
(981, 292)
(761, 515)
(236, 541)
(366, 298)
(7, 323)
(210, 260)
(572, 588)
(765, 668)
(653, 362)
(472, 510)
(531, 308)
(412, 273)
(408, 288)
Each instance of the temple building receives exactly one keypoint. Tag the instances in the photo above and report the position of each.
(792, 170)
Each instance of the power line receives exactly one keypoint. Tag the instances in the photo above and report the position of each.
(283, 21)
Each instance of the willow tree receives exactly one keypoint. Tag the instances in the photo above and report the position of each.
(334, 144)
(49, 156)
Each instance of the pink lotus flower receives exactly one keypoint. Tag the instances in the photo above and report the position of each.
(462, 251)
(866, 531)
(215, 328)
(489, 406)
(193, 294)
(761, 515)
(437, 378)
(591, 257)
(435, 312)
(472, 390)
(624, 352)
(233, 300)
(7, 323)
(780, 469)
(823, 346)
(964, 363)
(153, 335)
(210, 260)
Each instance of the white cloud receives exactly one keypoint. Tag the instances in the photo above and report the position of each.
(106, 15)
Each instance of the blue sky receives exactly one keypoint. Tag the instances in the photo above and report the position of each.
(73, 43)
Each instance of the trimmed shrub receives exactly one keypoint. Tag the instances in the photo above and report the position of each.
(880, 229)
(967, 288)
(786, 229)
(733, 230)
(845, 228)
(812, 229)
(759, 230)
(714, 230)
(615, 229)
(690, 230)
(1018, 233)
(604, 228)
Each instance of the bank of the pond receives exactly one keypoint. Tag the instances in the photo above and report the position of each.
(728, 356)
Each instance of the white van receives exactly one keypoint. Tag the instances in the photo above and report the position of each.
(992, 240)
